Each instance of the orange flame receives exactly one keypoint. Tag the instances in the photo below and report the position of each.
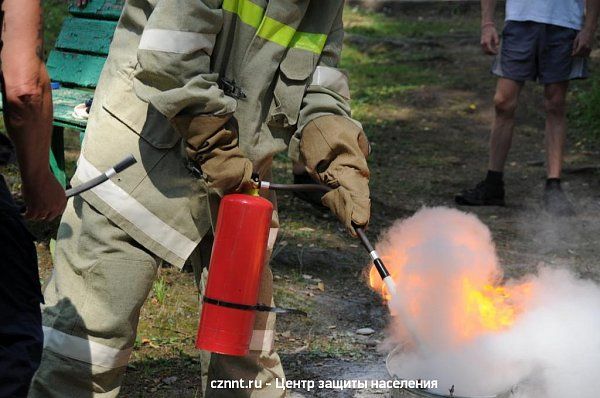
(442, 261)
(478, 310)
(490, 308)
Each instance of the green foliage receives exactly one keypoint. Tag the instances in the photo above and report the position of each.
(159, 287)
(54, 13)
(380, 26)
(586, 113)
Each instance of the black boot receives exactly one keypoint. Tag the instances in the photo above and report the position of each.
(489, 192)
(555, 200)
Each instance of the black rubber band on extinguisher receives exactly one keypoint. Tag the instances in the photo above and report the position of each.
(258, 307)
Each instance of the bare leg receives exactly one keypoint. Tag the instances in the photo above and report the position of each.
(505, 104)
(556, 126)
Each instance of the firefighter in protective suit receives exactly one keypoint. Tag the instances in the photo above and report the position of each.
(204, 93)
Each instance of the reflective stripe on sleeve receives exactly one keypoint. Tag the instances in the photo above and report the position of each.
(134, 212)
(262, 340)
(273, 30)
(250, 13)
(333, 79)
(84, 350)
(172, 41)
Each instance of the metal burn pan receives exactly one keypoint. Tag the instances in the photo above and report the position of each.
(412, 392)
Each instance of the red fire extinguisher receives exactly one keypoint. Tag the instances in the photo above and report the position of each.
(235, 270)
(236, 266)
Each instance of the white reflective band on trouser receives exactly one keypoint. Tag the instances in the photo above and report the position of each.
(272, 238)
(262, 340)
(332, 79)
(134, 212)
(176, 42)
(84, 350)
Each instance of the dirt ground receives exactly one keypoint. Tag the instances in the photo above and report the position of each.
(423, 91)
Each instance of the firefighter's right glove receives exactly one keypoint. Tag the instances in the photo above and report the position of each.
(335, 151)
(212, 144)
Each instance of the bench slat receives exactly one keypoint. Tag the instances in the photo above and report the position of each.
(100, 9)
(86, 35)
(77, 69)
(65, 99)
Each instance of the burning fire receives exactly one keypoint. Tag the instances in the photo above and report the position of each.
(491, 308)
(480, 309)
(448, 274)
(457, 320)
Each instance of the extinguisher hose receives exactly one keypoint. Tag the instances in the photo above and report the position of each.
(379, 265)
(295, 187)
(127, 162)
(257, 307)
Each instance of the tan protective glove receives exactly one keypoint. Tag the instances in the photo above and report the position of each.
(335, 151)
(212, 143)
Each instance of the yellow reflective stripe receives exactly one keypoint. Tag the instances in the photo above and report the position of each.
(314, 42)
(250, 13)
(273, 30)
(276, 32)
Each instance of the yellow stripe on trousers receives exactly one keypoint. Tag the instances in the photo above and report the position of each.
(273, 30)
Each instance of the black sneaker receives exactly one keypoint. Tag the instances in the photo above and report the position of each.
(556, 201)
(312, 197)
(484, 194)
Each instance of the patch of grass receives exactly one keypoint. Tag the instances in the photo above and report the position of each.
(381, 75)
(285, 297)
(377, 78)
(159, 288)
(333, 347)
(586, 114)
(379, 25)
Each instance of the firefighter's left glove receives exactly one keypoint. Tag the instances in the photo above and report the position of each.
(335, 150)
(211, 142)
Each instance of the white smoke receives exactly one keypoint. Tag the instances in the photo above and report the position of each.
(552, 350)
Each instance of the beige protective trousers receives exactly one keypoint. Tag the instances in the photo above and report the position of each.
(93, 299)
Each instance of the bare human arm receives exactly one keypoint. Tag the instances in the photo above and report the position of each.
(28, 106)
(489, 36)
(582, 46)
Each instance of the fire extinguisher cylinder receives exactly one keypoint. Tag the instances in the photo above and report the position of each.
(235, 273)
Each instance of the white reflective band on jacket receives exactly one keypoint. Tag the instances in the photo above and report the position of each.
(84, 350)
(262, 340)
(332, 79)
(134, 212)
(172, 41)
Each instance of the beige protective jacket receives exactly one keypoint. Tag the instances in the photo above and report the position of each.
(273, 63)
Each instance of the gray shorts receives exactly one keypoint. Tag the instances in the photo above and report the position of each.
(538, 51)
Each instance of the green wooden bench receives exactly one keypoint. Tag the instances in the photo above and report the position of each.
(76, 62)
